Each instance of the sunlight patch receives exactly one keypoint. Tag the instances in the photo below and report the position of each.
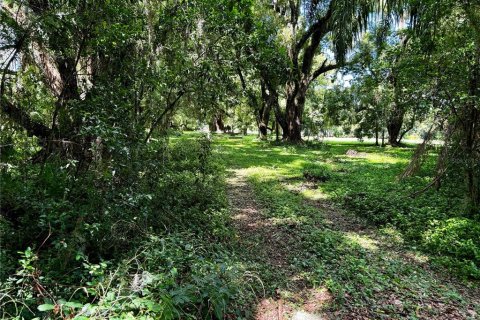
(363, 241)
(417, 257)
(308, 304)
(391, 236)
(296, 164)
(261, 173)
(383, 158)
(302, 315)
(315, 195)
(307, 191)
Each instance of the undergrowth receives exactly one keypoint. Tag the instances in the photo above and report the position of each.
(130, 237)
(361, 278)
(367, 185)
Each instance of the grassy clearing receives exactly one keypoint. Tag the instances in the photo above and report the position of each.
(385, 255)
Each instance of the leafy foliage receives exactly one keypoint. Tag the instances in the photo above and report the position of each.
(107, 210)
(142, 245)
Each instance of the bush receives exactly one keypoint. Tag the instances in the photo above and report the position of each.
(454, 242)
(128, 236)
(316, 172)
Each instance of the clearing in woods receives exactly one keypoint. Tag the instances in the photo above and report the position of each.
(314, 258)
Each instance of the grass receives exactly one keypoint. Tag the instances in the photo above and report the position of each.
(307, 229)
(352, 229)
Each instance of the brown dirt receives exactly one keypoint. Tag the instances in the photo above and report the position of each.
(252, 225)
(273, 244)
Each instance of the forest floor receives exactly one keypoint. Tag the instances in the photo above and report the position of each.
(315, 260)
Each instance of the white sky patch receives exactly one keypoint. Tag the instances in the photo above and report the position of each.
(341, 79)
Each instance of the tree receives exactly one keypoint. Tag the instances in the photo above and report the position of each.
(449, 31)
(307, 26)
(386, 80)
(118, 76)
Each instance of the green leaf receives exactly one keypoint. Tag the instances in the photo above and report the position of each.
(74, 305)
(46, 307)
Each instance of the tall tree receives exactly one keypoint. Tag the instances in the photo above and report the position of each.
(312, 30)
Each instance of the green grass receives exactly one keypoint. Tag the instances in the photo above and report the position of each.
(163, 241)
(399, 267)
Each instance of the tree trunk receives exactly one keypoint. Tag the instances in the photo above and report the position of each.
(276, 131)
(217, 124)
(473, 182)
(220, 125)
(294, 124)
(395, 119)
(271, 98)
(394, 125)
(295, 105)
(262, 131)
(263, 116)
(471, 123)
(471, 138)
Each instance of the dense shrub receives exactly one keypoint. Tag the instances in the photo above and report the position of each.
(128, 236)
(457, 238)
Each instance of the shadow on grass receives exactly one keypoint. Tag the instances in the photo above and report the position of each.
(335, 264)
(362, 276)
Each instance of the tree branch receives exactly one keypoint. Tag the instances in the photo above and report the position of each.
(318, 26)
(8, 46)
(23, 119)
(169, 107)
(406, 131)
(15, 113)
(42, 58)
(323, 69)
(242, 79)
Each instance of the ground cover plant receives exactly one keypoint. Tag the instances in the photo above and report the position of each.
(120, 259)
(359, 234)
(239, 159)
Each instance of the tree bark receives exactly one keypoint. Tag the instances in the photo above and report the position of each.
(217, 124)
(394, 126)
(471, 138)
(263, 116)
(271, 98)
(295, 106)
(262, 130)
(277, 138)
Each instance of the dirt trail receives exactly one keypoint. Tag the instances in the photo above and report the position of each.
(271, 243)
(250, 223)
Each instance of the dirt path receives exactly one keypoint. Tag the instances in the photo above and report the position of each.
(272, 244)
(269, 242)
(250, 223)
